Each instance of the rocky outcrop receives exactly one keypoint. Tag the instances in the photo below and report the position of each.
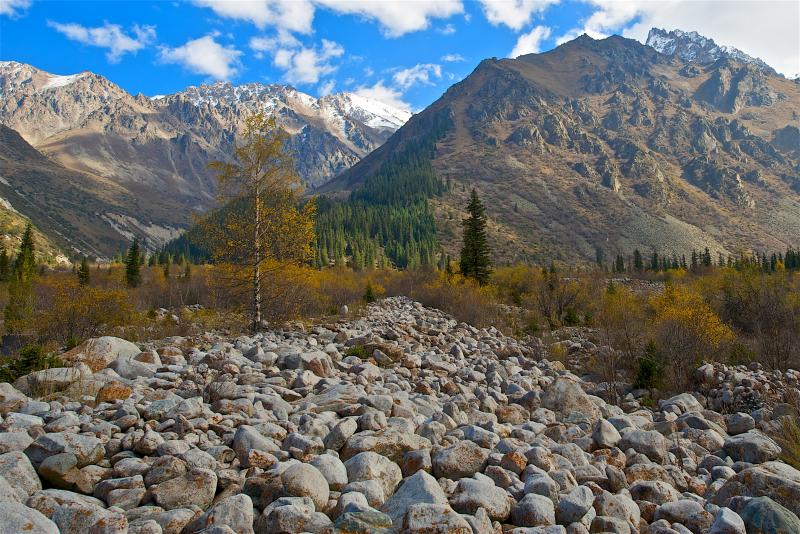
(438, 427)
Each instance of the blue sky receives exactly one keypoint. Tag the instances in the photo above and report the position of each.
(402, 52)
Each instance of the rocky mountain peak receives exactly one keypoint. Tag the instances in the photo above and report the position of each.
(693, 47)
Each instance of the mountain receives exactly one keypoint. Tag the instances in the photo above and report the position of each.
(144, 160)
(77, 212)
(603, 146)
(693, 47)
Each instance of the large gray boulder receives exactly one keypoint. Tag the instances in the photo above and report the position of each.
(99, 352)
(17, 518)
(472, 494)
(427, 518)
(235, 512)
(373, 466)
(196, 487)
(419, 488)
(648, 442)
(18, 471)
(762, 515)
(777, 480)
(305, 480)
(461, 460)
(752, 447)
(565, 396)
(87, 449)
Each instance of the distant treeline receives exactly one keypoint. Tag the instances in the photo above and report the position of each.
(697, 260)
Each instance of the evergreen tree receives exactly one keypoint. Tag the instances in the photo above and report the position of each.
(654, 262)
(5, 265)
(638, 263)
(620, 263)
(83, 272)
(19, 306)
(133, 275)
(475, 254)
(599, 255)
(706, 258)
(25, 263)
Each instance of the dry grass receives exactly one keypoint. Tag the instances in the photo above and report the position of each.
(789, 440)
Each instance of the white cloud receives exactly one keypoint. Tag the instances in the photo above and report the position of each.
(270, 44)
(387, 95)
(516, 14)
(307, 65)
(14, 8)
(420, 73)
(301, 64)
(769, 29)
(448, 29)
(291, 15)
(397, 17)
(452, 58)
(108, 36)
(205, 56)
(326, 88)
(530, 43)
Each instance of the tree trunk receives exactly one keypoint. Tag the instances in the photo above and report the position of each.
(257, 269)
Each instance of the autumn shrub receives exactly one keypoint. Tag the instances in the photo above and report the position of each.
(66, 312)
(687, 331)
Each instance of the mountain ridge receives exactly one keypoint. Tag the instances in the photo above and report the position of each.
(611, 145)
(156, 150)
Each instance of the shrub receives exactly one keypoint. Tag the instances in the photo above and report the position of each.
(687, 332)
(369, 294)
(66, 312)
(31, 358)
(571, 318)
(789, 440)
(650, 371)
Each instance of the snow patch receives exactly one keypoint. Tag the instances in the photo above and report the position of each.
(56, 81)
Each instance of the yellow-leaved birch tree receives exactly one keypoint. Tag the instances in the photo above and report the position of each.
(262, 223)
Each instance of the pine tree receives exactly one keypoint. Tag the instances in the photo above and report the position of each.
(25, 263)
(19, 306)
(620, 263)
(5, 265)
(475, 254)
(706, 258)
(133, 275)
(83, 272)
(638, 263)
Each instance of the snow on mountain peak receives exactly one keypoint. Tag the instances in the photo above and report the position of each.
(62, 81)
(332, 108)
(691, 46)
(15, 75)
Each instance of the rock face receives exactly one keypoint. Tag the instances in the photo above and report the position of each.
(462, 430)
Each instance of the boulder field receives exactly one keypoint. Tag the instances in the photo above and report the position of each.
(403, 420)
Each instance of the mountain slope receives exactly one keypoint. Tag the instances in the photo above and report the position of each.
(152, 155)
(612, 145)
(78, 212)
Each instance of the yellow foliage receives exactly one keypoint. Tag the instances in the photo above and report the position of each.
(686, 329)
(67, 312)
